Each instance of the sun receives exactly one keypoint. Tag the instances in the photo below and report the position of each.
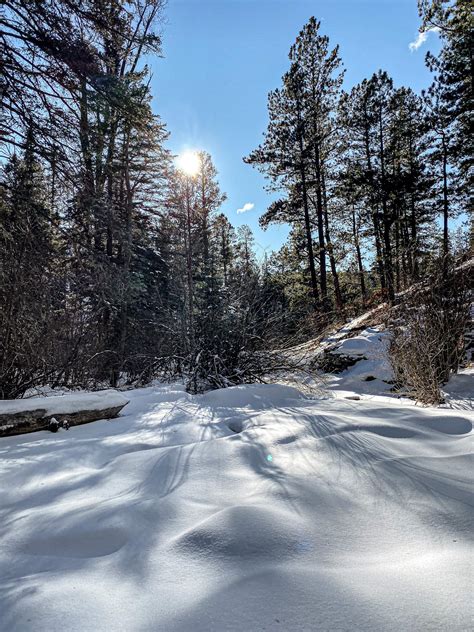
(189, 162)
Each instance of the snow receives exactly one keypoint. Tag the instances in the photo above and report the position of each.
(245, 509)
(371, 346)
(65, 404)
(370, 375)
(329, 340)
(459, 391)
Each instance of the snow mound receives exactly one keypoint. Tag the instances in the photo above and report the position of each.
(244, 533)
(253, 396)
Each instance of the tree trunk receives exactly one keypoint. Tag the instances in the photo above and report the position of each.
(414, 240)
(330, 249)
(307, 223)
(320, 216)
(445, 198)
(127, 255)
(360, 266)
(397, 256)
(189, 267)
(375, 212)
(388, 266)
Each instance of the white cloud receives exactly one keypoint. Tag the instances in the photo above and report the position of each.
(248, 206)
(421, 38)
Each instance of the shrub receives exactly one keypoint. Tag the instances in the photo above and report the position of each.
(428, 340)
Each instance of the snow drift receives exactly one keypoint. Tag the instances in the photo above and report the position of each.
(250, 508)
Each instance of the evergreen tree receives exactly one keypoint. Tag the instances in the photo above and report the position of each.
(318, 71)
(28, 248)
(411, 183)
(296, 152)
(454, 72)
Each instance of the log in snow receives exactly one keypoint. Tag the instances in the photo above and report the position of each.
(28, 415)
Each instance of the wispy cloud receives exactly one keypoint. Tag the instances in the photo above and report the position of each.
(421, 39)
(248, 206)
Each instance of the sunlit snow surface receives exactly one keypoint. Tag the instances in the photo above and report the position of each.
(245, 509)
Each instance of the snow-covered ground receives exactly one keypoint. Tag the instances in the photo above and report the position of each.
(246, 509)
(373, 374)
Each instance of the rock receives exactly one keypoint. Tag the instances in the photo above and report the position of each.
(53, 425)
(330, 362)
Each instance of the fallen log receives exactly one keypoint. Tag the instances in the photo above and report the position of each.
(20, 416)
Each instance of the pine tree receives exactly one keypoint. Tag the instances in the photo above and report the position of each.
(411, 183)
(284, 159)
(454, 72)
(296, 152)
(318, 71)
(28, 245)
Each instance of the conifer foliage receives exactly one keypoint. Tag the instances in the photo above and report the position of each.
(366, 174)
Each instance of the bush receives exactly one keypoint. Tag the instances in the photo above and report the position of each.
(428, 340)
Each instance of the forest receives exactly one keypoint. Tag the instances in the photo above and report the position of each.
(198, 433)
(117, 264)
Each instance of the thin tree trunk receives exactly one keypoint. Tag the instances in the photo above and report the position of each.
(189, 267)
(374, 204)
(89, 186)
(320, 217)
(127, 255)
(414, 240)
(307, 222)
(360, 266)
(397, 256)
(445, 199)
(109, 176)
(330, 249)
(388, 266)
(224, 254)
(53, 183)
(319, 196)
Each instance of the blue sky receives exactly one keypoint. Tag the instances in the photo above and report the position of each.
(222, 57)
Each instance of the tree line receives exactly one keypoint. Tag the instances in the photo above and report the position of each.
(366, 174)
(115, 265)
